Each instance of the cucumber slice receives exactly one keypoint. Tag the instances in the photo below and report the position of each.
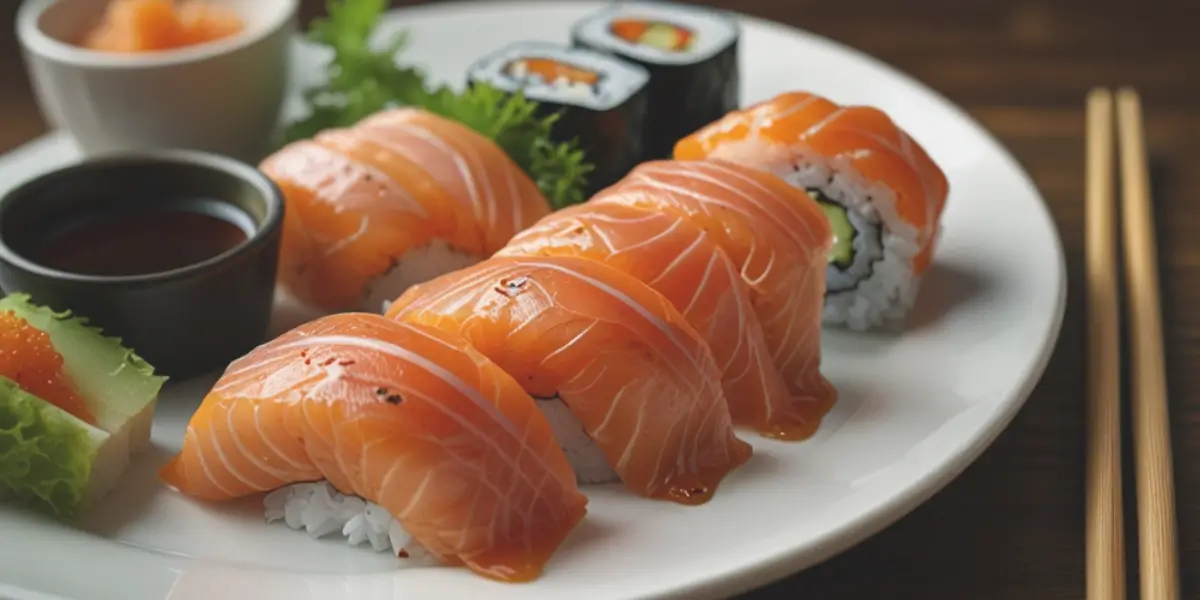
(661, 36)
(52, 458)
(842, 252)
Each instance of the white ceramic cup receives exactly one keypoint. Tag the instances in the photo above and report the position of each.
(224, 97)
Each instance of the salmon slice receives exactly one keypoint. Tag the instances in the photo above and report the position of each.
(156, 25)
(494, 199)
(791, 130)
(398, 199)
(640, 381)
(687, 266)
(777, 237)
(405, 416)
(345, 223)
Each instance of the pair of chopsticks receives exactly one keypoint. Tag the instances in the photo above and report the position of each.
(1158, 561)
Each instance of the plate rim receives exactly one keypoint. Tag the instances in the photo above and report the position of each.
(911, 495)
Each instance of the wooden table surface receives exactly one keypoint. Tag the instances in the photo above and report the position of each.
(1012, 525)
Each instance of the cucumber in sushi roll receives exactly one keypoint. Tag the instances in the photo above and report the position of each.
(75, 406)
(690, 52)
(602, 100)
(882, 193)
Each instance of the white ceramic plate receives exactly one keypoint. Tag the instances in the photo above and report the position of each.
(915, 409)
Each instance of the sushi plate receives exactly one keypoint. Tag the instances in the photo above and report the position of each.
(916, 406)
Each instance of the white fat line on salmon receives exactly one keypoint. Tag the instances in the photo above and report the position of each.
(678, 260)
(441, 342)
(648, 241)
(485, 205)
(410, 357)
(782, 206)
(338, 177)
(503, 271)
(271, 446)
(377, 133)
(708, 270)
(459, 161)
(341, 244)
(608, 243)
(622, 220)
(224, 460)
(612, 409)
(720, 129)
(204, 464)
(794, 347)
(712, 410)
(816, 128)
(399, 352)
(571, 382)
(567, 346)
(662, 325)
(469, 464)
(371, 176)
(856, 154)
(451, 297)
(761, 117)
(633, 439)
(310, 431)
(258, 462)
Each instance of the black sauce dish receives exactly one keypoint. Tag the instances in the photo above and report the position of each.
(198, 299)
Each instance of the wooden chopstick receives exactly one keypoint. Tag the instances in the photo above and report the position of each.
(1158, 560)
(1105, 535)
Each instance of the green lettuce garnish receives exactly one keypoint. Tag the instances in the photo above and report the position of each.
(46, 454)
(53, 460)
(363, 79)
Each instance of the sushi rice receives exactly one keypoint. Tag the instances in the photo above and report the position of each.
(416, 266)
(586, 458)
(320, 510)
(879, 286)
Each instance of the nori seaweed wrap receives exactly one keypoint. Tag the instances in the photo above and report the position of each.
(690, 52)
(603, 100)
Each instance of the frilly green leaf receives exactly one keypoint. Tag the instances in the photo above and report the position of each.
(363, 80)
(45, 453)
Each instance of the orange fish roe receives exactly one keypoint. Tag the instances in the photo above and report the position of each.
(149, 25)
(28, 358)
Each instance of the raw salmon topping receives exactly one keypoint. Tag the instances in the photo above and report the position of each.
(150, 25)
(28, 358)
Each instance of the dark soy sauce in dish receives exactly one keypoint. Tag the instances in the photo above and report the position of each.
(144, 242)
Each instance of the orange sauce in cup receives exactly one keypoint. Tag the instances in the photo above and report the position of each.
(152, 25)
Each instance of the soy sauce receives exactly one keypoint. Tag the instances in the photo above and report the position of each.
(140, 243)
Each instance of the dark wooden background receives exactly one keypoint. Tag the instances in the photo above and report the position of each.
(1012, 526)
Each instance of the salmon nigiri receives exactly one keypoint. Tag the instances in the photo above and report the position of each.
(687, 266)
(407, 417)
(776, 236)
(882, 193)
(642, 389)
(401, 197)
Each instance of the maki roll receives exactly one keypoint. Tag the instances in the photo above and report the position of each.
(602, 99)
(690, 53)
(882, 193)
